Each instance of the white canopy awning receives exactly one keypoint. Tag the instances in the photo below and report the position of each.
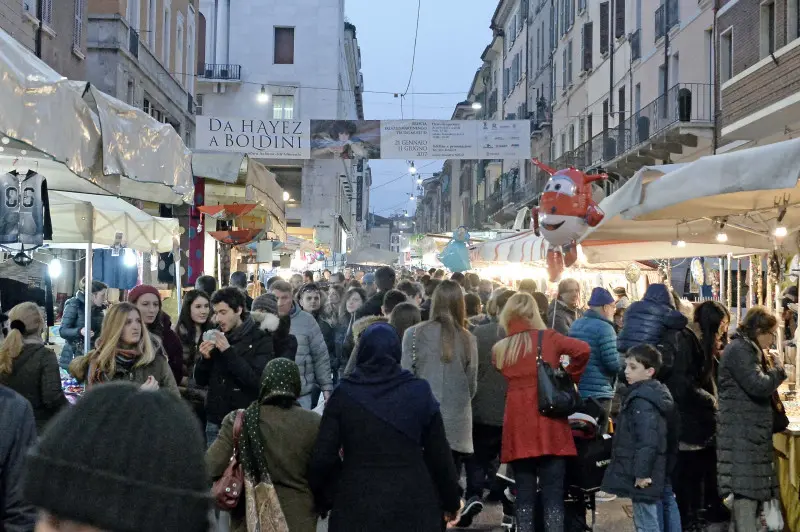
(373, 257)
(118, 148)
(82, 218)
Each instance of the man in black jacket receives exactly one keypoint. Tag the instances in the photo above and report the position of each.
(385, 279)
(18, 434)
(233, 361)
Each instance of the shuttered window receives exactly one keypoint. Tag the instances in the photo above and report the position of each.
(587, 47)
(604, 21)
(619, 21)
(284, 46)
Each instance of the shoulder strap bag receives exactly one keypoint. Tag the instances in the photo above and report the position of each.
(558, 396)
(227, 489)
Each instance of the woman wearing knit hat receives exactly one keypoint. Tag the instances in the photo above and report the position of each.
(148, 300)
(276, 443)
(265, 312)
(124, 352)
(134, 463)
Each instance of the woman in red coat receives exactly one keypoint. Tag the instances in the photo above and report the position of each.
(535, 445)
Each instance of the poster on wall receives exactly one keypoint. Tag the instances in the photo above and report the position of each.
(367, 139)
(455, 139)
(345, 139)
(269, 139)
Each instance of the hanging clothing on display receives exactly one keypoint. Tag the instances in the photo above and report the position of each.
(24, 209)
(19, 284)
(112, 270)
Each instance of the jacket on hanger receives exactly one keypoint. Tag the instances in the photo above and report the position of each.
(24, 209)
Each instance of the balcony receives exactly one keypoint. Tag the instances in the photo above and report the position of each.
(636, 45)
(672, 128)
(219, 73)
(133, 42)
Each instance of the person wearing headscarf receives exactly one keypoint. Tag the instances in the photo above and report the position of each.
(397, 473)
(275, 444)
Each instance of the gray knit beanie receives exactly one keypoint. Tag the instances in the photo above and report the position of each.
(265, 303)
(122, 460)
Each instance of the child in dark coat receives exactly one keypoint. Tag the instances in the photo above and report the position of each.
(645, 445)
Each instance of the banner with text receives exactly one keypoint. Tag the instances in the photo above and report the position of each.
(370, 139)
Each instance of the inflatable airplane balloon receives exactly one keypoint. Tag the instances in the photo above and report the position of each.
(565, 210)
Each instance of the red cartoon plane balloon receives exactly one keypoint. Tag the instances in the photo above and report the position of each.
(565, 210)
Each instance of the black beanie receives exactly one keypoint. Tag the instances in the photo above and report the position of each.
(122, 460)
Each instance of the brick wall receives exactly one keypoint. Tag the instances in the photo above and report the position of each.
(745, 17)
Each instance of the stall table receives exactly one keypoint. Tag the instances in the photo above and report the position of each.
(787, 447)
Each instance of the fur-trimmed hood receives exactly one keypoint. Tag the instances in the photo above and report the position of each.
(267, 321)
(361, 325)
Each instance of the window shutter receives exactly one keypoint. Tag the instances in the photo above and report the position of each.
(569, 62)
(47, 12)
(604, 20)
(571, 12)
(587, 47)
(564, 70)
(77, 33)
(619, 21)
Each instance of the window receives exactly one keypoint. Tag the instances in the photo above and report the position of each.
(581, 131)
(792, 20)
(191, 59)
(638, 14)
(604, 20)
(506, 82)
(572, 137)
(542, 62)
(564, 69)
(283, 107)
(662, 79)
(132, 14)
(47, 12)
(587, 47)
(675, 69)
(767, 33)
(589, 126)
(538, 49)
(621, 101)
(581, 6)
(77, 31)
(180, 71)
(569, 63)
(726, 55)
(637, 97)
(511, 32)
(619, 21)
(166, 29)
(605, 115)
(563, 143)
(198, 104)
(284, 46)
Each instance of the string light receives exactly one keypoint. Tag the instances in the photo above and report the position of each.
(286, 196)
(263, 97)
(412, 169)
(781, 231)
(55, 268)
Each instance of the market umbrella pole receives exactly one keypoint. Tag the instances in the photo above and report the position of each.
(87, 300)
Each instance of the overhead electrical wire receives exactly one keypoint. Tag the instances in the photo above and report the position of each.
(398, 178)
(414, 52)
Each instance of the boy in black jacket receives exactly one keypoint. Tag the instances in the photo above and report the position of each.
(645, 445)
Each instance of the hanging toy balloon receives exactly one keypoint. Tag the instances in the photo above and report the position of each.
(455, 255)
(565, 210)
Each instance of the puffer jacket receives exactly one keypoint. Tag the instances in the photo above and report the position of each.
(560, 317)
(17, 436)
(647, 320)
(72, 321)
(599, 378)
(645, 442)
(745, 454)
(312, 352)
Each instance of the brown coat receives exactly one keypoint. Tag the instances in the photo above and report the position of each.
(35, 376)
(289, 437)
(159, 369)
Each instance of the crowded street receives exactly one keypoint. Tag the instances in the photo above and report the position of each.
(412, 266)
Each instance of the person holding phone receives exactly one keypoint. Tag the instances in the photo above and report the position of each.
(233, 359)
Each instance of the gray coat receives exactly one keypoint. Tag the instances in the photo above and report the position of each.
(744, 436)
(560, 317)
(454, 384)
(489, 403)
(312, 353)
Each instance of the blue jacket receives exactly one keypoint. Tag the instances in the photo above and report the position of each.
(604, 362)
(647, 320)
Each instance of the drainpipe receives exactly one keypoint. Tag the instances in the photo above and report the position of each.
(611, 41)
(716, 83)
(40, 16)
(665, 111)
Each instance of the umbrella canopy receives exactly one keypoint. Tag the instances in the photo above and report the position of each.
(227, 212)
(237, 237)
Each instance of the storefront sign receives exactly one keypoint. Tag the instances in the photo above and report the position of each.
(365, 139)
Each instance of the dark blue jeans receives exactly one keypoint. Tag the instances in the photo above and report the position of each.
(549, 471)
(212, 431)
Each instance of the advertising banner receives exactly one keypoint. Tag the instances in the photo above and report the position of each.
(269, 139)
(367, 139)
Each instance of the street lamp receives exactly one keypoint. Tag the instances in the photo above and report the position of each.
(412, 169)
(263, 97)
(477, 106)
(286, 196)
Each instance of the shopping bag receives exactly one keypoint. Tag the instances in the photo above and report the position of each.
(320, 408)
(773, 515)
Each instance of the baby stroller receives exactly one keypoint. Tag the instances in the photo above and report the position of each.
(584, 472)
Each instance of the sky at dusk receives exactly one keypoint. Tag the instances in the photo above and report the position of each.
(452, 36)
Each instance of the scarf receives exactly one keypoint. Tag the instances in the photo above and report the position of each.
(281, 378)
(383, 388)
(247, 326)
(124, 360)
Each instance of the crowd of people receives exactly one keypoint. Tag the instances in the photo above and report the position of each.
(420, 378)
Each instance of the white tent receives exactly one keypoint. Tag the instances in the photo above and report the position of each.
(373, 257)
(118, 148)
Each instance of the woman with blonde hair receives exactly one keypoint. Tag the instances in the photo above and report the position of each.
(124, 352)
(443, 352)
(28, 367)
(535, 445)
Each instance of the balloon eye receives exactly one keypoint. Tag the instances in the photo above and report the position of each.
(558, 187)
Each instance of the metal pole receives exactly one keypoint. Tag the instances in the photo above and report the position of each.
(176, 253)
(750, 266)
(729, 291)
(87, 304)
(738, 291)
(666, 58)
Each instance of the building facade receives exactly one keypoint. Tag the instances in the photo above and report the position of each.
(144, 53)
(759, 56)
(54, 30)
(304, 64)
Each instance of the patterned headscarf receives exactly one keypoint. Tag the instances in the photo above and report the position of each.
(281, 378)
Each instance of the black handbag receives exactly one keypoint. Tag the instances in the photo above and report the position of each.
(558, 395)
